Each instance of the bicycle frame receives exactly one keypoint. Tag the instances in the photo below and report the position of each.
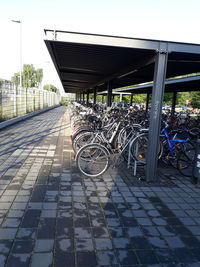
(100, 134)
(171, 142)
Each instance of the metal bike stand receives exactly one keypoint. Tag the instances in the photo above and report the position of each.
(129, 156)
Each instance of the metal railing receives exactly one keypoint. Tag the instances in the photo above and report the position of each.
(15, 102)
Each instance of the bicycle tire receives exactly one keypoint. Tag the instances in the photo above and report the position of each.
(81, 140)
(195, 130)
(81, 130)
(167, 158)
(139, 148)
(85, 139)
(127, 131)
(185, 162)
(92, 160)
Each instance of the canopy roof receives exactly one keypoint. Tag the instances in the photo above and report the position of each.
(85, 61)
(176, 85)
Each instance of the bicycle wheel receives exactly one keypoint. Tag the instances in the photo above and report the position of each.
(80, 130)
(185, 162)
(195, 131)
(169, 160)
(139, 148)
(82, 139)
(127, 133)
(92, 160)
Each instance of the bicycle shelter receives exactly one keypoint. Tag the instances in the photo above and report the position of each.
(90, 63)
(174, 86)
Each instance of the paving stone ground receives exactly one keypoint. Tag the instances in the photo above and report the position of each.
(50, 215)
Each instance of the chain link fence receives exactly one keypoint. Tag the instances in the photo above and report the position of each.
(15, 102)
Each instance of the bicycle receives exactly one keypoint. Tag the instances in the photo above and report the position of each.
(171, 150)
(94, 159)
(120, 139)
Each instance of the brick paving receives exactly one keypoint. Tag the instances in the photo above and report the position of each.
(50, 215)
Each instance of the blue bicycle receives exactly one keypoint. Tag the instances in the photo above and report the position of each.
(169, 148)
(172, 146)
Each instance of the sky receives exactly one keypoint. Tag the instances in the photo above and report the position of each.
(170, 20)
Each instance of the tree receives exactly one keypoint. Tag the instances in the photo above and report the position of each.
(31, 77)
(28, 76)
(195, 99)
(16, 79)
(182, 98)
(125, 98)
(39, 77)
(167, 98)
(139, 98)
(50, 87)
(4, 82)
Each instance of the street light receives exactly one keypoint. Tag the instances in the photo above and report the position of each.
(20, 73)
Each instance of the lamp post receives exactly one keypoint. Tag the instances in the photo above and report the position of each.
(20, 73)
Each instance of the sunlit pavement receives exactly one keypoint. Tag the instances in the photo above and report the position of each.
(50, 215)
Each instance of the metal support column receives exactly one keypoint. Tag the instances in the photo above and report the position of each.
(113, 98)
(120, 98)
(87, 99)
(174, 96)
(131, 100)
(109, 94)
(83, 98)
(155, 115)
(95, 96)
(147, 102)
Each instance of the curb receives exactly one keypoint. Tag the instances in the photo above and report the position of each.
(7, 123)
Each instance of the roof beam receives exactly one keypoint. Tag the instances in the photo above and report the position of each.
(158, 45)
